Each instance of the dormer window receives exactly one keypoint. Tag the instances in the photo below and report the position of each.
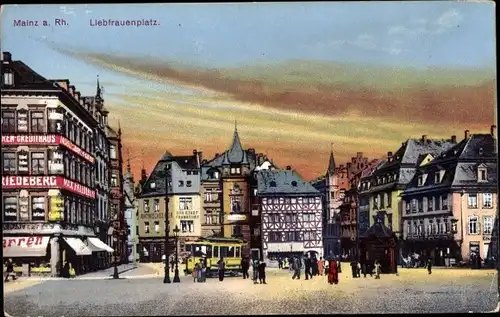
(153, 185)
(272, 184)
(482, 173)
(420, 180)
(438, 177)
(481, 151)
(294, 183)
(8, 79)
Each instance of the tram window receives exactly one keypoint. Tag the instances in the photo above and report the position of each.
(209, 251)
(230, 252)
(188, 247)
(237, 252)
(197, 250)
(223, 252)
(216, 252)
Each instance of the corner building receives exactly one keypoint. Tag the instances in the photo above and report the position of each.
(48, 173)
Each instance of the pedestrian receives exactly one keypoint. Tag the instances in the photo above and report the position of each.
(244, 267)
(307, 267)
(280, 263)
(262, 272)
(296, 268)
(255, 270)
(333, 274)
(354, 267)
(378, 269)
(358, 269)
(429, 266)
(194, 274)
(364, 268)
(172, 264)
(321, 266)
(10, 271)
(314, 266)
(221, 266)
(290, 263)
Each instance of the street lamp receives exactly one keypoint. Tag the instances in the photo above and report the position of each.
(115, 253)
(166, 279)
(176, 274)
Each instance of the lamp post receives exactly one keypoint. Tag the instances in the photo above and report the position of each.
(166, 279)
(115, 253)
(176, 274)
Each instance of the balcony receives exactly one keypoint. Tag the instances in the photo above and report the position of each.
(211, 203)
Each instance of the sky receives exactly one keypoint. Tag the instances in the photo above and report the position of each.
(299, 78)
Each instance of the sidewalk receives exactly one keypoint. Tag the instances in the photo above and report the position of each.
(123, 268)
(19, 284)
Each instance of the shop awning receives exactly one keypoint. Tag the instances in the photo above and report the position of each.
(78, 246)
(96, 245)
(32, 246)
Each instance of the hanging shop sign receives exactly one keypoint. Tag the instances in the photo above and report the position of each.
(26, 182)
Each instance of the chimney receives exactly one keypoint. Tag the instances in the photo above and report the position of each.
(466, 134)
(389, 155)
(194, 152)
(493, 129)
(424, 138)
(288, 168)
(359, 154)
(6, 57)
(144, 176)
(454, 139)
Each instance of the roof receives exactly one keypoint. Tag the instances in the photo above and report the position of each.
(459, 166)
(158, 175)
(27, 78)
(331, 164)
(282, 182)
(378, 230)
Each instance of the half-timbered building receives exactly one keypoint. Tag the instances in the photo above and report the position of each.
(291, 214)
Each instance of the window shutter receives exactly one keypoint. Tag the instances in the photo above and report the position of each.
(478, 226)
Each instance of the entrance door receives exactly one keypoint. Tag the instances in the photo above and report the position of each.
(486, 247)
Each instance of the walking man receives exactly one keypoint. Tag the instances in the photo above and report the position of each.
(307, 265)
(296, 268)
(262, 272)
(280, 263)
(221, 266)
(255, 270)
(429, 266)
(244, 267)
(10, 271)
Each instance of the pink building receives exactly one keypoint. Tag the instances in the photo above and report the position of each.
(449, 207)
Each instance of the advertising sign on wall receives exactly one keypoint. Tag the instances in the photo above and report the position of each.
(26, 182)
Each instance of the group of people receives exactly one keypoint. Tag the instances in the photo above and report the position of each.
(258, 269)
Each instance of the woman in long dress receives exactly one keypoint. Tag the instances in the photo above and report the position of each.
(321, 266)
(333, 274)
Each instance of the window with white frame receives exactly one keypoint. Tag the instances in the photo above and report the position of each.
(114, 180)
(430, 203)
(482, 174)
(444, 202)
(187, 226)
(472, 200)
(473, 225)
(146, 205)
(185, 203)
(8, 79)
(157, 226)
(487, 200)
(146, 226)
(488, 224)
(112, 152)
(208, 218)
(156, 205)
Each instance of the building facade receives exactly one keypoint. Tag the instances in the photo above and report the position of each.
(363, 217)
(184, 205)
(116, 197)
(49, 144)
(291, 215)
(387, 182)
(131, 216)
(450, 204)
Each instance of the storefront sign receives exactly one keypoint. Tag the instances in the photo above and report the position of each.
(25, 242)
(236, 217)
(56, 208)
(46, 140)
(153, 215)
(46, 182)
(188, 214)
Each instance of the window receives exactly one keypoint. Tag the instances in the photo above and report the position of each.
(235, 205)
(238, 171)
(420, 180)
(8, 79)
(211, 196)
(375, 201)
(37, 121)
(9, 208)
(308, 217)
(22, 121)
(187, 226)
(208, 219)
(430, 203)
(437, 177)
(441, 226)
(185, 203)
(188, 184)
(38, 208)
(444, 202)
(389, 200)
(146, 226)
(389, 221)
(112, 152)
(408, 207)
(482, 173)
(488, 225)
(472, 201)
(38, 163)
(487, 200)
(157, 226)
(181, 183)
(236, 230)
(8, 121)
(146, 205)
(9, 162)
(156, 205)
(114, 180)
(274, 236)
(473, 225)
(292, 236)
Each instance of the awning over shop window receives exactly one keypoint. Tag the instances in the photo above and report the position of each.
(33, 246)
(78, 246)
(97, 245)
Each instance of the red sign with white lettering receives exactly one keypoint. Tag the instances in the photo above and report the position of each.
(49, 139)
(46, 182)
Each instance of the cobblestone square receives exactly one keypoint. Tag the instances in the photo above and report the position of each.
(445, 291)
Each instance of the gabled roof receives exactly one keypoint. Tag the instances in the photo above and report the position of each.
(282, 182)
(236, 154)
(459, 165)
(27, 78)
(378, 230)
